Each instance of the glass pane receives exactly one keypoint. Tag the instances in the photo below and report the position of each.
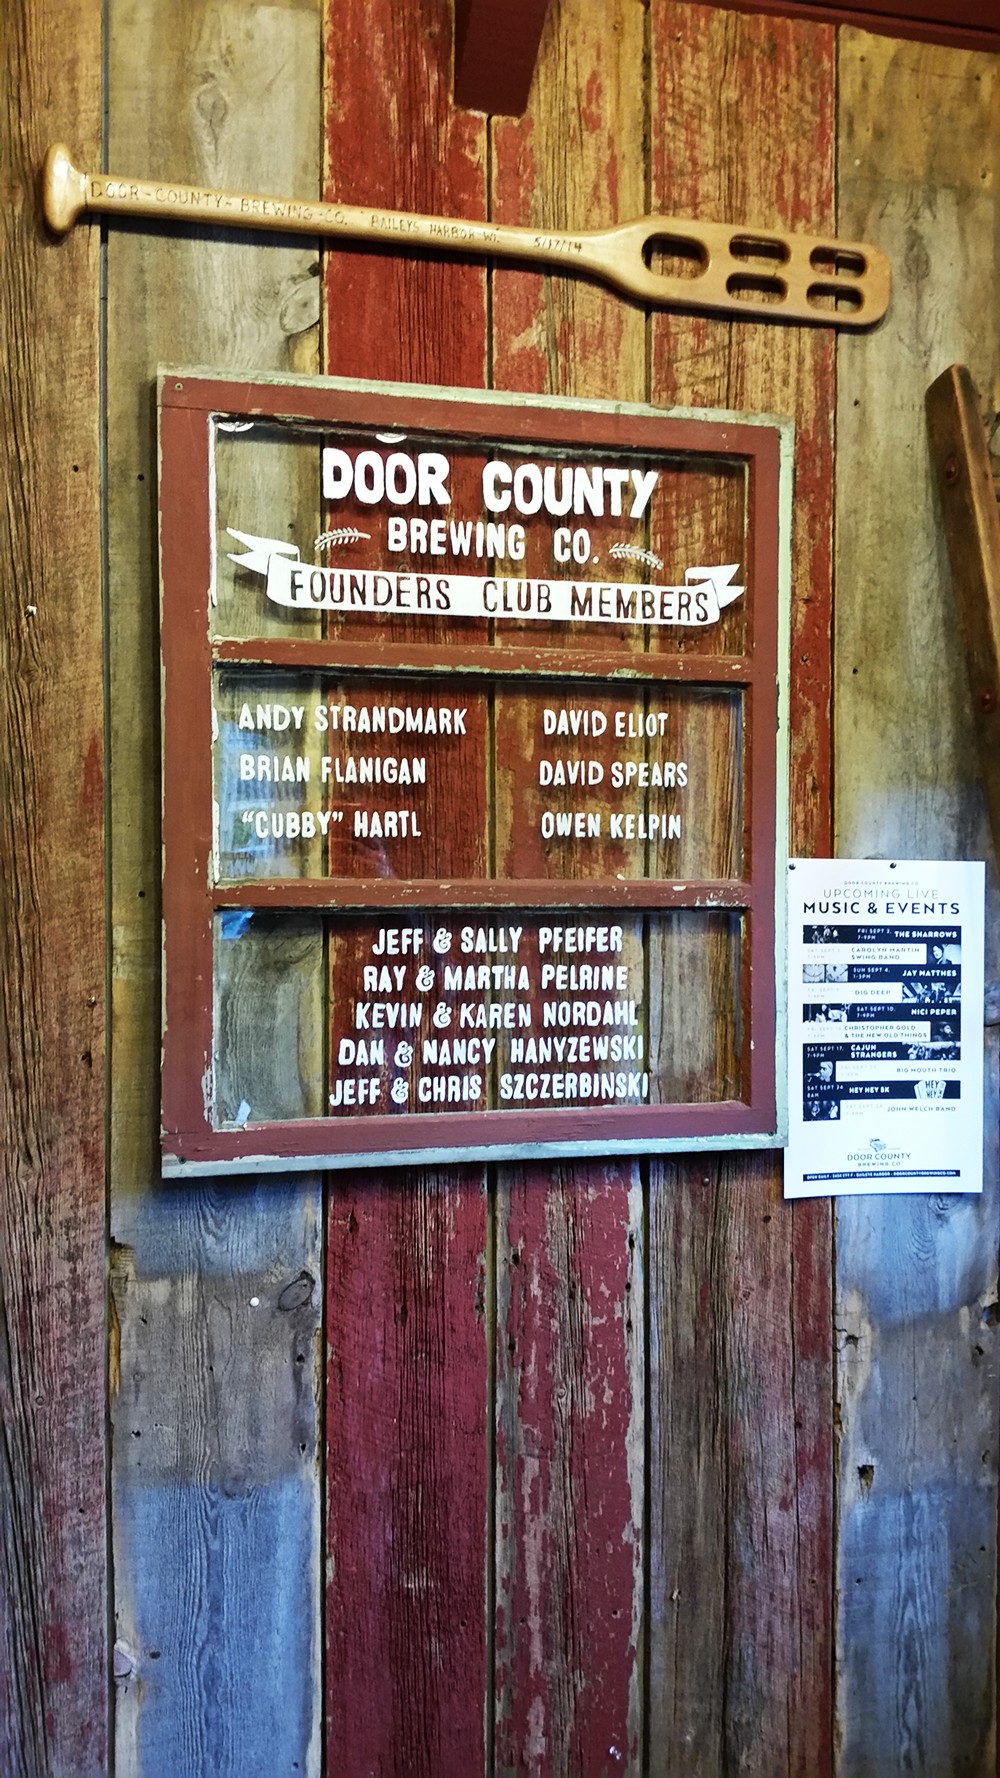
(348, 778)
(599, 781)
(699, 515)
(270, 1016)
(265, 483)
(696, 1014)
(366, 535)
(318, 776)
(363, 1015)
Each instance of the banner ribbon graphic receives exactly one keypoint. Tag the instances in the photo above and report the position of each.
(302, 586)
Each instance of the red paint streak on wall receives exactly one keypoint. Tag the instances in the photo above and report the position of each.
(93, 779)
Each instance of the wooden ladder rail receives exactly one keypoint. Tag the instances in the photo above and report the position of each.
(964, 475)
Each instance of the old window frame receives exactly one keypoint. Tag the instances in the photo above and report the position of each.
(190, 406)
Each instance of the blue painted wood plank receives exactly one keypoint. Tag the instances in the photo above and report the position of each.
(216, 1503)
(916, 1284)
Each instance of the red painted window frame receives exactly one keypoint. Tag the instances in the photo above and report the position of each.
(191, 1143)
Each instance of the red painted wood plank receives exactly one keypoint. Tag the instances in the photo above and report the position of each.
(569, 1241)
(496, 43)
(53, 1387)
(741, 1381)
(407, 1378)
(393, 137)
(406, 1476)
(569, 1471)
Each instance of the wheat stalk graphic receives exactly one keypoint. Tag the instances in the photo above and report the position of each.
(346, 534)
(635, 554)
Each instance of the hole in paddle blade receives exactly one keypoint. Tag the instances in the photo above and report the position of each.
(752, 287)
(837, 262)
(756, 250)
(834, 296)
(674, 256)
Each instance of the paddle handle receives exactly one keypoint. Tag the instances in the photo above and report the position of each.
(667, 261)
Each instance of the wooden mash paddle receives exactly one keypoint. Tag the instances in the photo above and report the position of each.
(726, 268)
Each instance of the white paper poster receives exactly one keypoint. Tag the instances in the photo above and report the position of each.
(885, 1027)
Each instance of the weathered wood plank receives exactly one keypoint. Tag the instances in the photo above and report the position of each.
(569, 1502)
(394, 137)
(916, 1277)
(574, 161)
(740, 1506)
(406, 1475)
(407, 1299)
(53, 1393)
(216, 1511)
(570, 1298)
(215, 1465)
(967, 496)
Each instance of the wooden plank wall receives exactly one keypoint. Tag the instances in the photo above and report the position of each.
(916, 1320)
(615, 1496)
(53, 1645)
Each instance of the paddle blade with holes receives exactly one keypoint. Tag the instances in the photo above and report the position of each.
(719, 266)
(667, 261)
